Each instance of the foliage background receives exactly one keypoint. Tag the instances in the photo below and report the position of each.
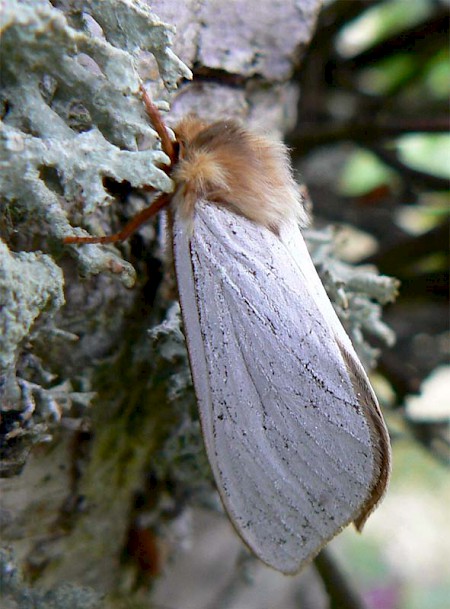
(372, 144)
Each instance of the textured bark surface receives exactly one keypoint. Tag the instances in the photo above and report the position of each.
(243, 55)
(117, 388)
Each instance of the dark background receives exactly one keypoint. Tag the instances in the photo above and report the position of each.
(376, 75)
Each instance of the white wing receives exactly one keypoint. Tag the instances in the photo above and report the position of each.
(294, 436)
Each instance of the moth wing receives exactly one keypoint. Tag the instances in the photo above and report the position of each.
(294, 452)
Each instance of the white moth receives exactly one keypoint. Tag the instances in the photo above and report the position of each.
(292, 428)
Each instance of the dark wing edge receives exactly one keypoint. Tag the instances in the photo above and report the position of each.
(378, 433)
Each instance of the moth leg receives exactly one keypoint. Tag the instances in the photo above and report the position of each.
(160, 202)
(159, 126)
(130, 227)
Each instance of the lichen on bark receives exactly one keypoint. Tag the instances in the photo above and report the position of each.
(72, 120)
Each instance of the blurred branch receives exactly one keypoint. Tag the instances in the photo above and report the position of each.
(402, 254)
(336, 15)
(340, 592)
(416, 176)
(405, 367)
(392, 366)
(431, 33)
(424, 287)
(307, 137)
(325, 68)
(403, 260)
(312, 72)
(433, 435)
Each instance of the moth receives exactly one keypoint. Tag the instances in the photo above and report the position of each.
(292, 428)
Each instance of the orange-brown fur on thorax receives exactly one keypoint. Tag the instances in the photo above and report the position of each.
(225, 163)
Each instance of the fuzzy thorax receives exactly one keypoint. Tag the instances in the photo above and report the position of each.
(226, 164)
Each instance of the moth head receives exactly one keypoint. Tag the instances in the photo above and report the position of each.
(186, 131)
(229, 165)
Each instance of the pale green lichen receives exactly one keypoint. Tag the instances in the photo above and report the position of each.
(72, 111)
(126, 25)
(182, 457)
(31, 288)
(30, 283)
(72, 116)
(357, 293)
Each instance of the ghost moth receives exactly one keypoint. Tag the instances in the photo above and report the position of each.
(292, 428)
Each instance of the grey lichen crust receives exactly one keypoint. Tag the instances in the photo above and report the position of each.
(358, 294)
(73, 115)
(16, 594)
(31, 288)
(30, 283)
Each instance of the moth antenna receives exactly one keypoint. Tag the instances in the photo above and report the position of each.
(130, 227)
(159, 125)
